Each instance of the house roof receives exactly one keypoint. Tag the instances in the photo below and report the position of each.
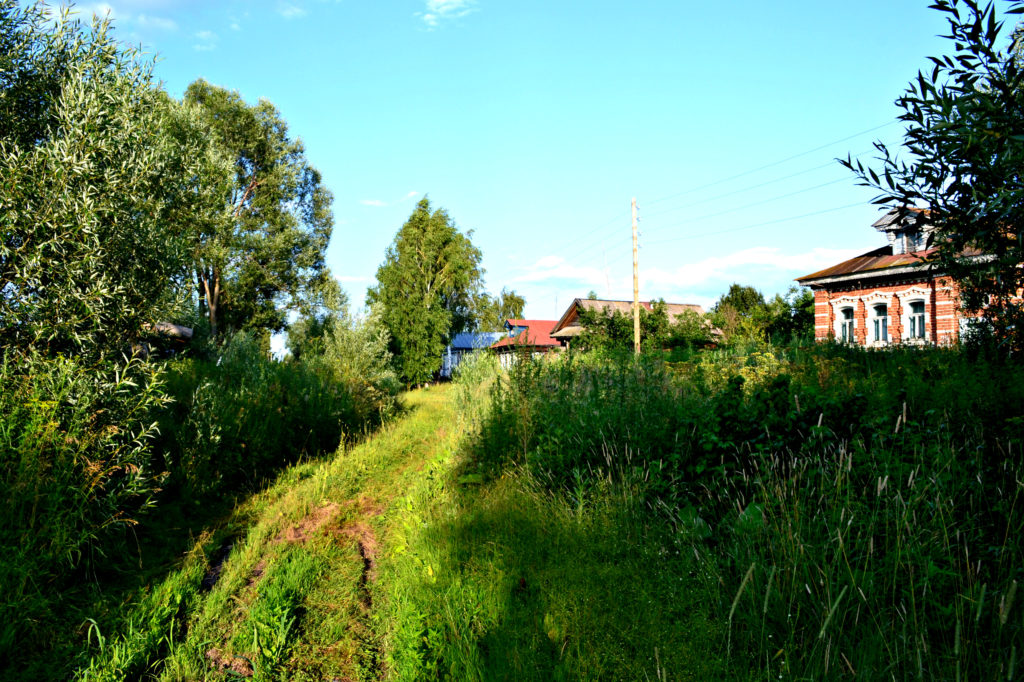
(537, 334)
(870, 264)
(475, 340)
(567, 326)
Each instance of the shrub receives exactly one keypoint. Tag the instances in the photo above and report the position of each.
(237, 419)
(75, 463)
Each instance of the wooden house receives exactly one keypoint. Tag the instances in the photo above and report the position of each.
(462, 345)
(569, 326)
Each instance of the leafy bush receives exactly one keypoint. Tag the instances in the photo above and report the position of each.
(236, 419)
(75, 463)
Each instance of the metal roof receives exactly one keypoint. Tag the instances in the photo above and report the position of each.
(475, 340)
(871, 263)
(537, 334)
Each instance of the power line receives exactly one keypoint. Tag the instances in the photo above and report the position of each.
(753, 204)
(614, 225)
(770, 165)
(734, 192)
(761, 224)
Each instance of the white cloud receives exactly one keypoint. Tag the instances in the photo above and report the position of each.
(100, 9)
(207, 41)
(555, 268)
(290, 11)
(410, 195)
(743, 265)
(235, 26)
(373, 202)
(441, 10)
(161, 23)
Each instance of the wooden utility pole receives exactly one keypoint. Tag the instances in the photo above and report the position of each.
(636, 289)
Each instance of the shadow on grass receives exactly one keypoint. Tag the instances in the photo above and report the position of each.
(523, 585)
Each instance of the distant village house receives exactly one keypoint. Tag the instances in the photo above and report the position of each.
(525, 338)
(569, 325)
(464, 344)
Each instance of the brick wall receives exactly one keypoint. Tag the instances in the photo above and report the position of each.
(938, 294)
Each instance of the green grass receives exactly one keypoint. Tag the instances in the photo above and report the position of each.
(886, 548)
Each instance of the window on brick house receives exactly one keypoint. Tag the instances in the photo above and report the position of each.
(917, 319)
(881, 322)
(846, 325)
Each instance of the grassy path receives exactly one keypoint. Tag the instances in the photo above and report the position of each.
(287, 589)
(391, 563)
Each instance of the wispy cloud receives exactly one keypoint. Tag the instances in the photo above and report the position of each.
(373, 202)
(410, 195)
(554, 269)
(767, 268)
(164, 24)
(207, 41)
(744, 266)
(443, 10)
(290, 11)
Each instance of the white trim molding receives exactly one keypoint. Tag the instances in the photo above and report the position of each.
(838, 304)
(912, 295)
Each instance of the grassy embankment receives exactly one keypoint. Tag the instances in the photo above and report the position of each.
(799, 514)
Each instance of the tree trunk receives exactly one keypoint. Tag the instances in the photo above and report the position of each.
(210, 293)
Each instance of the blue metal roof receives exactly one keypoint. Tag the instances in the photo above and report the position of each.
(474, 340)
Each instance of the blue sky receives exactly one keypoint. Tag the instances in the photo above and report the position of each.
(535, 122)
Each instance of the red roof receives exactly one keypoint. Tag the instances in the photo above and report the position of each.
(537, 334)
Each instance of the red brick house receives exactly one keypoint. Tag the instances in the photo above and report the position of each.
(890, 295)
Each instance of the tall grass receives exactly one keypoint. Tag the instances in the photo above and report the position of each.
(862, 509)
(236, 420)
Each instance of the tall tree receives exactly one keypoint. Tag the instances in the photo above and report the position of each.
(430, 275)
(963, 158)
(492, 311)
(262, 254)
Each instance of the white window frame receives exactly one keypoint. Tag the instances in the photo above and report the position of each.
(837, 315)
(870, 301)
(848, 326)
(879, 330)
(914, 295)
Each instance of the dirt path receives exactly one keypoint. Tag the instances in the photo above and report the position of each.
(295, 596)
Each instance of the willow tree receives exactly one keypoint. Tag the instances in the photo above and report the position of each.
(962, 157)
(425, 290)
(260, 254)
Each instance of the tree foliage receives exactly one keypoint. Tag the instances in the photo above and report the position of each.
(425, 289)
(743, 314)
(492, 311)
(962, 158)
(260, 251)
(607, 329)
(89, 183)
